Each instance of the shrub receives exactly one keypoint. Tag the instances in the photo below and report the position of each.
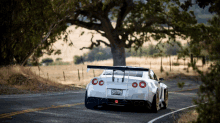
(180, 84)
(175, 63)
(77, 59)
(172, 50)
(208, 96)
(59, 59)
(47, 60)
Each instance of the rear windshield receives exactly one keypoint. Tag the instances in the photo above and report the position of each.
(118, 72)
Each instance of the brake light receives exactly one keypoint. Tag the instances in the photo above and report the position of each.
(94, 81)
(101, 82)
(142, 84)
(134, 84)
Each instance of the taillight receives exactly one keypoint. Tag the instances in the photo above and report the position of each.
(142, 84)
(101, 82)
(134, 84)
(94, 81)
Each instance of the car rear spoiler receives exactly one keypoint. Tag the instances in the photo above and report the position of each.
(122, 68)
(116, 68)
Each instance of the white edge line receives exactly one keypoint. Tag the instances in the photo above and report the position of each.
(170, 113)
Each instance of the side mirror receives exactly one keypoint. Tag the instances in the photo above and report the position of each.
(161, 79)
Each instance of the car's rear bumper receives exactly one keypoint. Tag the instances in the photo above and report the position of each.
(109, 101)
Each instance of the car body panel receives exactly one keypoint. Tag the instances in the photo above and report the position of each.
(128, 92)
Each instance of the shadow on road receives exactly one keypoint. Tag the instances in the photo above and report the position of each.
(130, 109)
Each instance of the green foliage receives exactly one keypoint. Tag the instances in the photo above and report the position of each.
(47, 60)
(175, 63)
(172, 49)
(59, 59)
(28, 26)
(58, 63)
(206, 38)
(180, 84)
(208, 101)
(77, 59)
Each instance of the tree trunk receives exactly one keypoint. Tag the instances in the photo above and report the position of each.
(118, 54)
(117, 46)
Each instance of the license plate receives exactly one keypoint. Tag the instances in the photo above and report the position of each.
(117, 92)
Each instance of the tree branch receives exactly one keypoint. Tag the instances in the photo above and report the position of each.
(110, 5)
(90, 26)
(42, 41)
(103, 34)
(96, 44)
(124, 10)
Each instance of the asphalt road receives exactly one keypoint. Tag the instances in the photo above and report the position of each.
(69, 107)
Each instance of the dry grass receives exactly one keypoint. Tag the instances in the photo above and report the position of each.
(188, 117)
(17, 79)
(55, 73)
(66, 77)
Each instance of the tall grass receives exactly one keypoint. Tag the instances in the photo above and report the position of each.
(71, 71)
(18, 79)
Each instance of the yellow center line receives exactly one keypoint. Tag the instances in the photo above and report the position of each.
(8, 115)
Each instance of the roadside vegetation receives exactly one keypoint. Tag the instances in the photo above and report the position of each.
(46, 62)
(19, 80)
(187, 116)
(31, 28)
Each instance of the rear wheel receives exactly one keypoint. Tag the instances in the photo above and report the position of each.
(89, 105)
(165, 102)
(155, 104)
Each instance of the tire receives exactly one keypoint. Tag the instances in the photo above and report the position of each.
(165, 102)
(155, 104)
(89, 105)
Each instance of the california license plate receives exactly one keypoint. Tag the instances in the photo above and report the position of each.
(117, 92)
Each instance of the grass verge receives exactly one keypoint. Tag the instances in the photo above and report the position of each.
(188, 116)
(20, 80)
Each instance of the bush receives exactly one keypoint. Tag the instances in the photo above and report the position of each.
(180, 84)
(77, 59)
(175, 63)
(209, 96)
(59, 59)
(47, 60)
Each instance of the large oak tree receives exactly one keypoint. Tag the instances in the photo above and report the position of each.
(31, 26)
(135, 22)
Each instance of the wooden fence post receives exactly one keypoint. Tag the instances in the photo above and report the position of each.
(191, 58)
(78, 75)
(82, 74)
(93, 73)
(170, 64)
(39, 70)
(64, 76)
(161, 65)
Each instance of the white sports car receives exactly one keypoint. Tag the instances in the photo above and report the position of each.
(124, 85)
